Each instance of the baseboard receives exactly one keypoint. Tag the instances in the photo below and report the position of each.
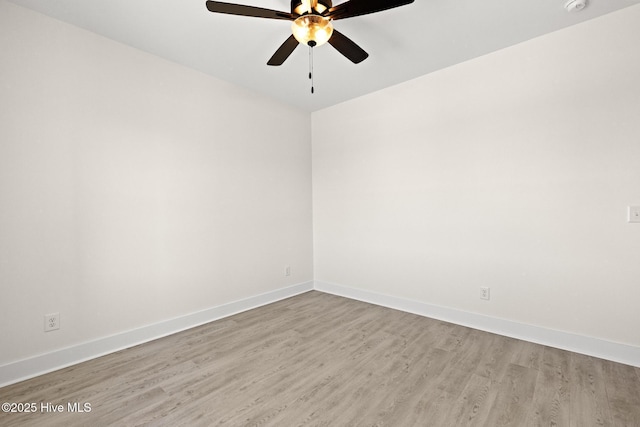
(28, 368)
(590, 346)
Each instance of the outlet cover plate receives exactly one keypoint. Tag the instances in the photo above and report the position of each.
(634, 214)
(51, 322)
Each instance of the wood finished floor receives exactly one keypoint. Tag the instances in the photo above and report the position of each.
(322, 360)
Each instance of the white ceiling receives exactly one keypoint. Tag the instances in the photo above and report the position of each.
(402, 43)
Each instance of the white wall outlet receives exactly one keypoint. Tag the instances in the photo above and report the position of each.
(51, 322)
(485, 292)
(634, 213)
(287, 271)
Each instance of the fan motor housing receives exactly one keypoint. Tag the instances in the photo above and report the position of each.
(298, 7)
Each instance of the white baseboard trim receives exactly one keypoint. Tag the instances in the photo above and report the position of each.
(28, 368)
(622, 353)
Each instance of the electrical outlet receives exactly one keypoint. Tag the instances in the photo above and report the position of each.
(634, 214)
(485, 292)
(287, 271)
(51, 322)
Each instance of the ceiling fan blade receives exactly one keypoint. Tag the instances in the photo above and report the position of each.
(347, 47)
(352, 8)
(242, 10)
(284, 51)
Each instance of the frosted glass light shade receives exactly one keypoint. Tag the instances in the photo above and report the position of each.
(312, 30)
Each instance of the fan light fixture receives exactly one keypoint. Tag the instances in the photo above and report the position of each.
(313, 30)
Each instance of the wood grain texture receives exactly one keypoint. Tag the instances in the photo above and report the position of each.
(320, 360)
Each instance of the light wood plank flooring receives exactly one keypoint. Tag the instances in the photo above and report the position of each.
(322, 360)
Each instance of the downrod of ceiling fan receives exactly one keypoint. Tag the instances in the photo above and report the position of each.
(297, 6)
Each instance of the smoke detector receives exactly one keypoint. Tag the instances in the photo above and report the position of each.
(575, 5)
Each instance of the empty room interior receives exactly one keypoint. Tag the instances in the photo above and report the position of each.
(433, 241)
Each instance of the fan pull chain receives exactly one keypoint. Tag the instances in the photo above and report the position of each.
(311, 66)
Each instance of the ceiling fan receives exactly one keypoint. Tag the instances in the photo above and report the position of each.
(312, 23)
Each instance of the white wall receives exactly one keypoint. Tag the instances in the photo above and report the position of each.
(513, 170)
(133, 190)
